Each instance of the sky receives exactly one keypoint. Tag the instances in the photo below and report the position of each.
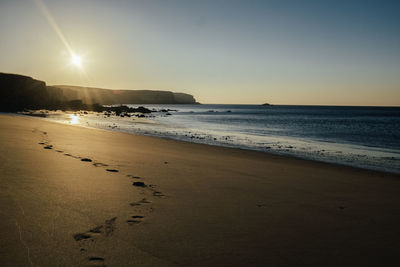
(339, 52)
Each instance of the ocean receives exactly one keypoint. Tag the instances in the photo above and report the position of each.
(366, 137)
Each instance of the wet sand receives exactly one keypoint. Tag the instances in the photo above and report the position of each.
(74, 196)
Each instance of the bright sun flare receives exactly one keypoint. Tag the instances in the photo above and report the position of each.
(76, 60)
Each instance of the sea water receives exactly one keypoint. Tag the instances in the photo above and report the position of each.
(366, 137)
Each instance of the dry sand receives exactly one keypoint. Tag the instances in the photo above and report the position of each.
(201, 206)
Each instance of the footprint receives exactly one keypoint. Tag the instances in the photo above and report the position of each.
(59, 151)
(72, 156)
(143, 201)
(112, 170)
(96, 261)
(86, 159)
(158, 194)
(99, 164)
(135, 219)
(48, 147)
(131, 222)
(140, 184)
(133, 177)
(109, 226)
(96, 230)
(42, 143)
(81, 236)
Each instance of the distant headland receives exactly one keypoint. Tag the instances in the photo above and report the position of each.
(19, 92)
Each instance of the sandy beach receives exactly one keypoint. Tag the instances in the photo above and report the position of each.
(74, 196)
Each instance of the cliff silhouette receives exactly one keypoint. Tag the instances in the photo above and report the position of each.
(19, 92)
(90, 95)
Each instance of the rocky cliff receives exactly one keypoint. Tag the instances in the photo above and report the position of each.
(90, 95)
(18, 92)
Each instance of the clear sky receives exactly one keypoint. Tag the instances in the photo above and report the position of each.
(339, 52)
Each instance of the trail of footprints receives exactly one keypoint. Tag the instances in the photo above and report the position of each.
(88, 238)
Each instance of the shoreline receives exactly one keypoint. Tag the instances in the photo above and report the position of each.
(230, 146)
(79, 196)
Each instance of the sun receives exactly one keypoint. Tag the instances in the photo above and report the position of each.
(76, 60)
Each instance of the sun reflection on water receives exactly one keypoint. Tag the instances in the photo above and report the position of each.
(74, 119)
